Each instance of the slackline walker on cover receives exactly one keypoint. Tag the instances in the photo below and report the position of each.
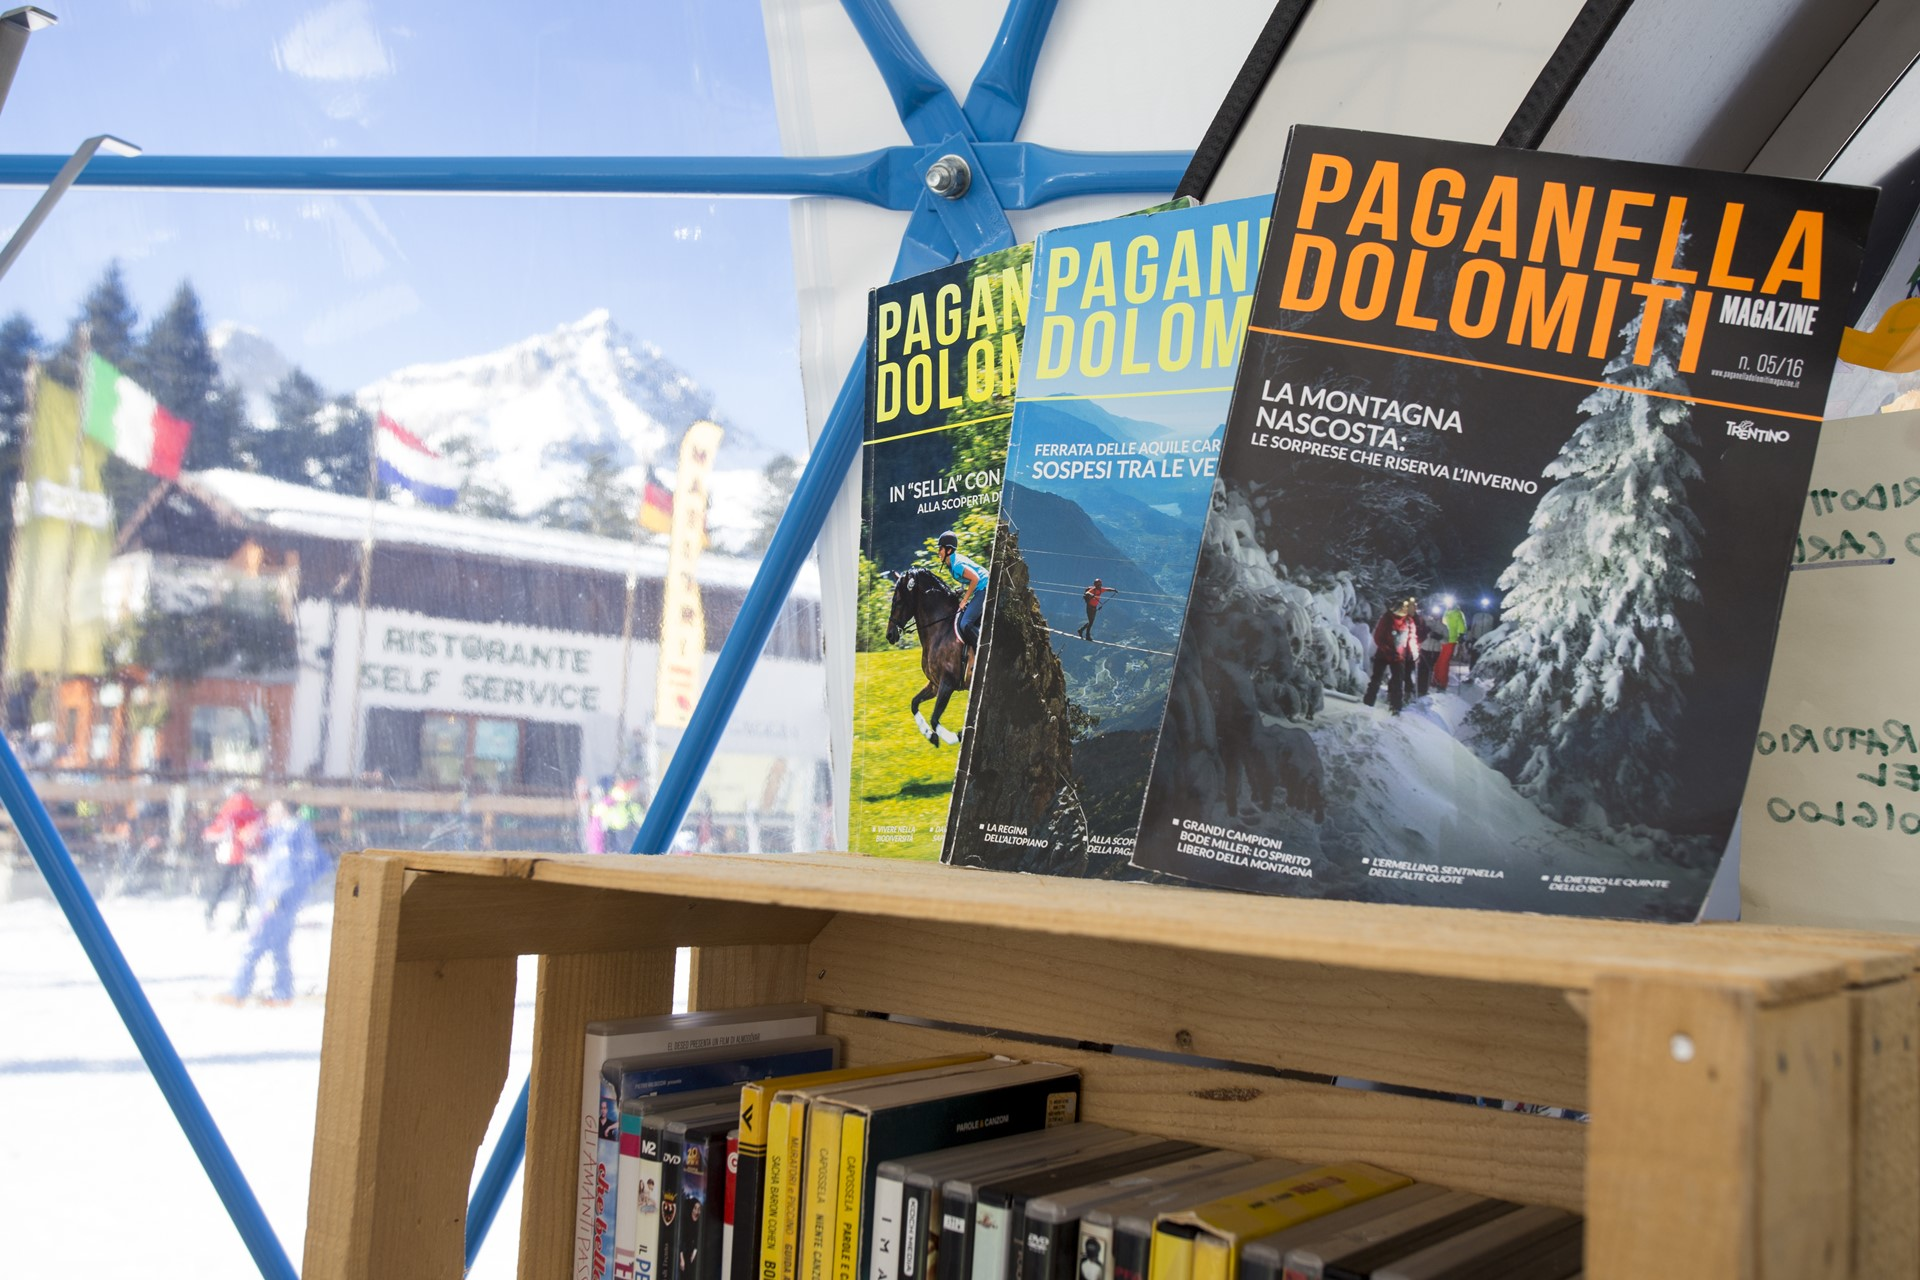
(956, 220)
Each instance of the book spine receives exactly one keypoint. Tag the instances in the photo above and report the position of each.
(1212, 1258)
(703, 1199)
(727, 1228)
(853, 1175)
(606, 1189)
(1172, 1257)
(775, 1262)
(920, 1233)
(1096, 1244)
(889, 1234)
(627, 1215)
(586, 1192)
(673, 1160)
(820, 1210)
(1132, 1253)
(956, 1238)
(989, 1241)
(646, 1233)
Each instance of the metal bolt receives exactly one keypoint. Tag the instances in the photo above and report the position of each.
(949, 177)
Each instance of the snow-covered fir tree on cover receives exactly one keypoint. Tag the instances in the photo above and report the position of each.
(1587, 662)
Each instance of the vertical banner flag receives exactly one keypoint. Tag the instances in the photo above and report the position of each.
(683, 628)
(63, 536)
(406, 463)
(125, 419)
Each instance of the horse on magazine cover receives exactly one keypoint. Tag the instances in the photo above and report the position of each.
(923, 603)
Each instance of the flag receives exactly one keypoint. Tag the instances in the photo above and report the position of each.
(656, 506)
(408, 464)
(683, 626)
(63, 537)
(124, 418)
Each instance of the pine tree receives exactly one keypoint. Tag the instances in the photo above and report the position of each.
(19, 344)
(477, 497)
(603, 503)
(782, 475)
(282, 450)
(1587, 662)
(108, 319)
(175, 361)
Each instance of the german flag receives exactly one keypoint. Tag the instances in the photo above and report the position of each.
(656, 505)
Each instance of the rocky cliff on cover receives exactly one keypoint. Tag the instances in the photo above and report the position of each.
(1485, 606)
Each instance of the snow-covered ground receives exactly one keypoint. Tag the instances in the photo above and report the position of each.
(93, 1166)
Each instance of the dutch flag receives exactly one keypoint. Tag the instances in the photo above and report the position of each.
(408, 464)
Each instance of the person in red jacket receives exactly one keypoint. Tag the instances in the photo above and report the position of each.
(1095, 596)
(1396, 648)
(233, 833)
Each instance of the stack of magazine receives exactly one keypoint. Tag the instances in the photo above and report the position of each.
(743, 1150)
(1416, 536)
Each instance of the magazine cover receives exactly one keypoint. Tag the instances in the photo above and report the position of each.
(1487, 598)
(1134, 331)
(943, 354)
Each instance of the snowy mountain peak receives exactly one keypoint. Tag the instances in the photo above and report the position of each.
(251, 363)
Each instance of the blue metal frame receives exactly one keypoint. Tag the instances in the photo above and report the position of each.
(1006, 175)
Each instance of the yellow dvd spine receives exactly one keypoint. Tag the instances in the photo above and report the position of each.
(776, 1220)
(1291, 1201)
(820, 1210)
(853, 1176)
(1213, 1258)
(1172, 1256)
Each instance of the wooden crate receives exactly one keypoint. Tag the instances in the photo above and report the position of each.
(1755, 1093)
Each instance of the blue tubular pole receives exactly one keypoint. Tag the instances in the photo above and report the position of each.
(926, 106)
(885, 177)
(36, 828)
(997, 100)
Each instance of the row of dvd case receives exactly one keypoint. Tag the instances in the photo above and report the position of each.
(733, 1146)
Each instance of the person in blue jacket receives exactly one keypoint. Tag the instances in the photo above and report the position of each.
(293, 864)
(972, 579)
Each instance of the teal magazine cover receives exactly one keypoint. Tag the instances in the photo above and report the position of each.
(1134, 333)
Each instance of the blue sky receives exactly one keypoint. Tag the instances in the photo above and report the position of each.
(352, 287)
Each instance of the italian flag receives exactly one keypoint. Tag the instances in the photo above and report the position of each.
(130, 423)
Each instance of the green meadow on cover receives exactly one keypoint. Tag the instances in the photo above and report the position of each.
(943, 357)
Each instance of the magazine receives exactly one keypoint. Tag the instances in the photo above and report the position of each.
(1487, 597)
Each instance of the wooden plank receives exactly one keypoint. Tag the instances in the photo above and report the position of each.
(1866, 956)
(1805, 1170)
(399, 1125)
(353, 1055)
(736, 977)
(1522, 1043)
(1483, 1149)
(573, 991)
(1721, 1136)
(1477, 945)
(1886, 1128)
(466, 915)
(1674, 1139)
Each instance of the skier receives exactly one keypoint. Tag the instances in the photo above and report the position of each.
(1394, 640)
(234, 832)
(1455, 624)
(293, 864)
(972, 579)
(1429, 636)
(1095, 596)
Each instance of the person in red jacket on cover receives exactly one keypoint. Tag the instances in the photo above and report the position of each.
(1396, 648)
(1095, 596)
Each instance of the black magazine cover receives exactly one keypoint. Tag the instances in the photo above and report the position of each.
(1485, 606)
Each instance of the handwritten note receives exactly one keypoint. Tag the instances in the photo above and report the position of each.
(1830, 828)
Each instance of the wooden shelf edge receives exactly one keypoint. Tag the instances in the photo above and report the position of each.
(1778, 966)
